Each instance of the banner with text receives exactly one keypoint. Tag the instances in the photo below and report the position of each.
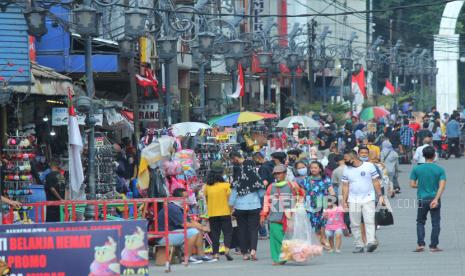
(70, 253)
(132, 238)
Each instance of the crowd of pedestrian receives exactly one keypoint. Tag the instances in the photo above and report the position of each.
(354, 173)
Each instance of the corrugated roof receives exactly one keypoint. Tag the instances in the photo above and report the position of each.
(40, 71)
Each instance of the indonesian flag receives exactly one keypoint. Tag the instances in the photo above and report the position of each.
(389, 89)
(240, 91)
(358, 83)
(76, 173)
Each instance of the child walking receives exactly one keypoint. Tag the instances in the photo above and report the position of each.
(334, 226)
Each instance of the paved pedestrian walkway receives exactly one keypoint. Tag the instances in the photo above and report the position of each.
(394, 255)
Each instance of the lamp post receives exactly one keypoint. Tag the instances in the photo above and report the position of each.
(320, 63)
(167, 51)
(86, 21)
(265, 60)
(134, 27)
(292, 63)
(203, 52)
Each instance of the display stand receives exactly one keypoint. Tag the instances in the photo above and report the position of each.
(105, 176)
(17, 180)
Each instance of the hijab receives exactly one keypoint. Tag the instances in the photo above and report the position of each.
(386, 146)
(248, 181)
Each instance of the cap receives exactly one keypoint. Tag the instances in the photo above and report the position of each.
(279, 169)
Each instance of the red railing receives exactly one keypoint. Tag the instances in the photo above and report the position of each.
(100, 212)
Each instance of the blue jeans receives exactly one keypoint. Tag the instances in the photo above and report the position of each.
(423, 209)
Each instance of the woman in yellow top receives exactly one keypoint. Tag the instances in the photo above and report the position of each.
(217, 193)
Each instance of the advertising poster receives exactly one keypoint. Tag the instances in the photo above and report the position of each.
(132, 238)
(70, 253)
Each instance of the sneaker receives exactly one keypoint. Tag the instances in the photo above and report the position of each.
(337, 251)
(208, 259)
(193, 260)
(371, 247)
(358, 250)
(330, 251)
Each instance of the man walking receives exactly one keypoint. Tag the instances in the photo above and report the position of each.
(430, 180)
(360, 187)
(406, 140)
(453, 137)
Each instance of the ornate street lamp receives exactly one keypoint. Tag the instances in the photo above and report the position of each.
(264, 59)
(237, 47)
(347, 63)
(330, 63)
(318, 63)
(357, 67)
(134, 23)
(35, 19)
(126, 47)
(167, 48)
(86, 21)
(206, 40)
(231, 63)
(370, 62)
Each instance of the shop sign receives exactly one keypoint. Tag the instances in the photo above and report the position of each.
(222, 136)
(99, 141)
(130, 235)
(61, 253)
(149, 112)
(60, 117)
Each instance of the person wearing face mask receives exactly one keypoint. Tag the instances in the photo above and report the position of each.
(302, 173)
(360, 188)
(280, 158)
(418, 156)
(280, 198)
(317, 188)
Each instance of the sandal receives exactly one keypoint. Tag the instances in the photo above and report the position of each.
(246, 257)
(253, 257)
(419, 249)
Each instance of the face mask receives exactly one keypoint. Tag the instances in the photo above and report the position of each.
(302, 171)
(350, 163)
(364, 159)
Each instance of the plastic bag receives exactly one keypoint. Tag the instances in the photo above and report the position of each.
(297, 244)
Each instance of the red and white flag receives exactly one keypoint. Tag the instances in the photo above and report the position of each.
(76, 173)
(358, 83)
(240, 91)
(389, 89)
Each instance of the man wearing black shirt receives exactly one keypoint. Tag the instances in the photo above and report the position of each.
(326, 139)
(54, 191)
(349, 139)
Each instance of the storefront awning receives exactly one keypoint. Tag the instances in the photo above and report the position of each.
(46, 81)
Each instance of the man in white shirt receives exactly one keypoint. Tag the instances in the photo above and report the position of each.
(360, 187)
(418, 156)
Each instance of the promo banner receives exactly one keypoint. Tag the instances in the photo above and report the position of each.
(132, 238)
(70, 253)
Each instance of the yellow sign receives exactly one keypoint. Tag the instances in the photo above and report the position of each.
(222, 136)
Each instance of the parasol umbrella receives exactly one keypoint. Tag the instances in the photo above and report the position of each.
(373, 112)
(305, 121)
(241, 117)
(181, 129)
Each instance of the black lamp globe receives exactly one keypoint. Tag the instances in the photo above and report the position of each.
(347, 63)
(237, 47)
(330, 63)
(264, 59)
(167, 47)
(357, 67)
(318, 63)
(245, 62)
(126, 47)
(292, 60)
(134, 23)
(230, 62)
(86, 21)
(35, 19)
(206, 40)
(370, 64)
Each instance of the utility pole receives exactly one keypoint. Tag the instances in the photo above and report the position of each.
(311, 40)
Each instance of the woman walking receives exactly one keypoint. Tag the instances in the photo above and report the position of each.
(280, 198)
(217, 193)
(317, 189)
(390, 159)
(245, 199)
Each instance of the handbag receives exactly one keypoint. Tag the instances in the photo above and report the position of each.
(384, 217)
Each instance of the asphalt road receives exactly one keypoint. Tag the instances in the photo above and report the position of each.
(394, 255)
